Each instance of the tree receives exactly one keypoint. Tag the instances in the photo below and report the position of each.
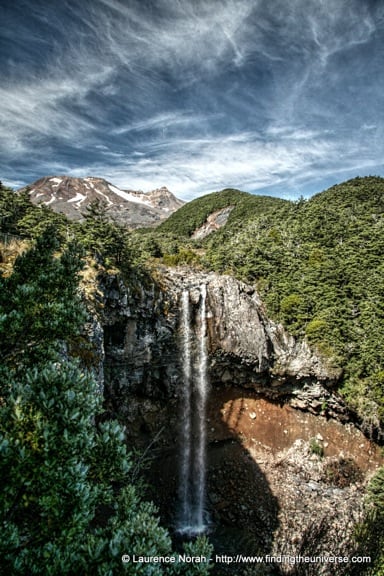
(61, 509)
(40, 304)
(102, 237)
(67, 505)
(19, 217)
(13, 207)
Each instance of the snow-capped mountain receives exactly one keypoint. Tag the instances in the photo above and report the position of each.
(130, 207)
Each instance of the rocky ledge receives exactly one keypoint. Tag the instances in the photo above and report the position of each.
(141, 323)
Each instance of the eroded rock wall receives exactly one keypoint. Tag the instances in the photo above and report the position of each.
(267, 488)
(142, 355)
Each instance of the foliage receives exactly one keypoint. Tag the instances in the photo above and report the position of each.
(19, 217)
(39, 302)
(319, 268)
(106, 240)
(60, 507)
(67, 505)
(316, 447)
(182, 256)
(192, 215)
(371, 533)
(12, 209)
(98, 235)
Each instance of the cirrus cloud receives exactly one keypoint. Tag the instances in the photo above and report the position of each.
(273, 97)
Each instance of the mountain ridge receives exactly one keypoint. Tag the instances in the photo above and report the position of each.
(71, 196)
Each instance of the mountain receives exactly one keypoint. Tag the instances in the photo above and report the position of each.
(133, 208)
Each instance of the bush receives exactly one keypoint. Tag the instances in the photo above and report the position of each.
(67, 504)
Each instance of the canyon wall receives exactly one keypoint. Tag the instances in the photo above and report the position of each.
(285, 470)
(246, 348)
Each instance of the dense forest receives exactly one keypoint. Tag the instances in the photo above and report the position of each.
(318, 265)
(70, 501)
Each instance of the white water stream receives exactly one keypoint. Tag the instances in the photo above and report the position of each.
(193, 427)
(186, 428)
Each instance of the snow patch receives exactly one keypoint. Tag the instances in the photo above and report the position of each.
(104, 195)
(50, 201)
(78, 198)
(128, 196)
(57, 181)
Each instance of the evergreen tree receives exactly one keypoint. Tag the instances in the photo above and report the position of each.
(102, 237)
(12, 208)
(19, 217)
(40, 303)
(67, 504)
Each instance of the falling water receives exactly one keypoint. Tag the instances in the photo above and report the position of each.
(186, 429)
(193, 429)
(201, 400)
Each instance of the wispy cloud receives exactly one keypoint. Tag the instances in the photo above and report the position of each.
(166, 120)
(194, 95)
(193, 167)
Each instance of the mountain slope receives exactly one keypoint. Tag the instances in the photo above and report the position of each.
(318, 265)
(71, 196)
(192, 216)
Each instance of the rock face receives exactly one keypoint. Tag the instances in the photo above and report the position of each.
(133, 208)
(279, 480)
(245, 346)
(214, 221)
(141, 333)
(141, 323)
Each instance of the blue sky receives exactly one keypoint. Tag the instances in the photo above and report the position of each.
(281, 97)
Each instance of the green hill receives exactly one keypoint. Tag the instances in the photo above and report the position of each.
(192, 215)
(318, 265)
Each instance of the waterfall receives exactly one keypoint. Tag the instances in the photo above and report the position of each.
(193, 426)
(201, 400)
(186, 425)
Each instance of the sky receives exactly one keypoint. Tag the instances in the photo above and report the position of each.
(277, 97)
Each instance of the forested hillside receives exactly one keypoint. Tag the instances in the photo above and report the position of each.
(192, 215)
(318, 265)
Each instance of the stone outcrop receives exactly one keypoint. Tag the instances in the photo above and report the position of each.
(214, 221)
(246, 348)
(141, 322)
(279, 479)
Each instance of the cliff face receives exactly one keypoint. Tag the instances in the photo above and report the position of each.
(142, 352)
(272, 469)
(240, 328)
(141, 338)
